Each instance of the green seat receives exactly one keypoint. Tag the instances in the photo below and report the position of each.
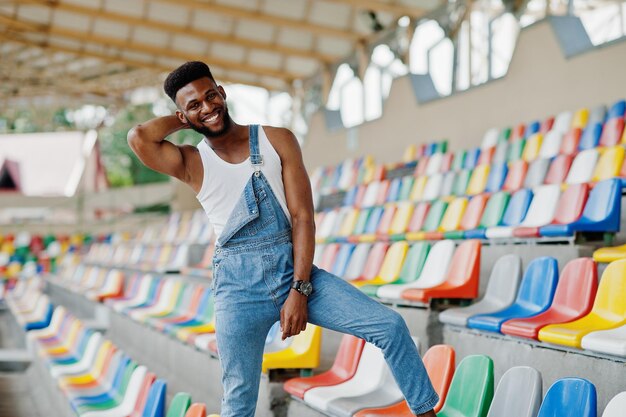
(411, 269)
(405, 188)
(471, 389)
(361, 221)
(458, 161)
(180, 403)
(494, 210)
(435, 214)
(516, 149)
(454, 234)
(505, 134)
(441, 147)
(112, 398)
(461, 181)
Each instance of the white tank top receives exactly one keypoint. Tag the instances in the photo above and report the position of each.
(224, 182)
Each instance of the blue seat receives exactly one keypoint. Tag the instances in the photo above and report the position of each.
(155, 403)
(373, 220)
(570, 397)
(590, 136)
(77, 353)
(618, 109)
(430, 149)
(342, 259)
(43, 323)
(497, 174)
(81, 403)
(350, 196)
(532, 128)
(534, 296)
(517, 208)
(601, 214)
(471, 158)
(394, 190)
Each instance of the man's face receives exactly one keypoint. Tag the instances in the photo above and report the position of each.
(203, 104)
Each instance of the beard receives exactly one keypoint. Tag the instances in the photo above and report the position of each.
(205, 131)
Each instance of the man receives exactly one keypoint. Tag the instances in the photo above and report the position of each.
(252, 183)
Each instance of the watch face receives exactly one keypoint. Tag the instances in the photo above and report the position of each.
(306, 288)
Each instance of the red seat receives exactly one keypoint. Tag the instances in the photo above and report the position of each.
(439, 364)
(515, 178)
(461, 279)
(420, 169)
(328, 256)
(559, 168)
(486, 155)
(573, 299)
(612, 132)
(360, 193)
(473, 212)
(382, 231)
(517, 133)
(383, 190)
(374, 261)
(546, 125)
(571, 204)
(196, 410)
(418, 218)
(446, 162)
(343, 368)
(143, 395)
(569, 144)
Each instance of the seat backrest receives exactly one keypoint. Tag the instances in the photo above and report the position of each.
(543, 206)
(570, 397)
(486, 155)
(600, 203)
(501, 152)
(433, 187)
(505, 134)
(392, 263)
(400, 221)
(452, 217)
(196, 410)
(437, 263)
(571, 139)
(419, 217)
(155, 403)
(577, 287)
(562, 121)
(504, 280)
(373, 219)
(516, 149)
(448, 184)
(609, 164)
(471, 158)
(349, 222)
(495, 209)
(433, 219)
(383, 192)
(518, 393)
(478, 180)
(532, 128)
(434, 164)
(405, 188)
(385, 220)
(342, 259)
(517, 207)
(374, 260)
(439, 363)
(465, 264)
(581, 116)
(371, 193)
(538, 284)
(516, 175)
(471, 389)
(418, 188)
(328, 222)
(179, 405)
(610, 299)
(551, 144)
(612, 132)
(617, 110)
(446, 162)
(532, 147)
(361, 221)
(559, 168)
(546, 125)
(590, 136)
(518, 132)
(414, 262)
(616, 407)
(536, 172)
(473, 212)
(497, 174)
(597, 115)
(460, 181)
(329, 255)
(582, 167)
(490, 138)
(348, 356)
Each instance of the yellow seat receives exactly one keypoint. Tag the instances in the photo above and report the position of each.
(410, 153)
(401, 219)
(391, 266)
(418, 188)
(580, 118)
(67, 345)
(607, 255)
(187, 333)
(348, 223)
(478, 180)
(303, 353)
(531, 150)
(96, 370)
(608, 312)
(609, 164)
(454, 213)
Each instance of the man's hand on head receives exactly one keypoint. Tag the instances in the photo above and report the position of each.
(294, 314)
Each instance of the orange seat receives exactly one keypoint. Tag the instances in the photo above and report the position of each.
(569, 144)
(439, 364)
(559, 168)
(515, 178)
(461, 279)
(196, 410)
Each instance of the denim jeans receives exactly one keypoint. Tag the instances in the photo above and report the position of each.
(253, 271)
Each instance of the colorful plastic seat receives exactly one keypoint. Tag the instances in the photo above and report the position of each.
(355, 267)
(418, 188)
(546, 125)
(471, 217)
(471, 158)
(329, 255)
(342, 259)
(616, 407)
(486, 155)
(581, 116)
(516, 149)
(179, 405)
(304, 352)
(431, 222)
(518, 393)
(432, 188)
(569, 144)
(573, 299)
(559, 169)
(347, 225)
(551, 144)
(471, 389)
(401, 220)
(434, 164)
(492, 215)
(535, 296)
(608, 312)
(450, 220)
(513, 216)
(502, 288)
(532, 147)
(460, 182)
(518, 132)
(541, 211)
(570, 397)
(590, 136)
(344, 367)
(582, 167)
(497, 175)
(536, 173)
(461, 278)
(405, 188)
(391, 266)
(612, 132)
(459, 160)
(140, 382)
(155, 403)
(490, 139)
(478, 180)
(609, 342)
(609, 164)
(515, 176)
(500, 153)
(417, 220)
(374, 262)
(606, 255)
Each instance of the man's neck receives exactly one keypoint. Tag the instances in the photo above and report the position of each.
(229, 140)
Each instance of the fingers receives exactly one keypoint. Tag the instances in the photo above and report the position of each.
(292, 327)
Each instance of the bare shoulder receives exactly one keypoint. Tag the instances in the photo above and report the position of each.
(283, 140)
(194, 171)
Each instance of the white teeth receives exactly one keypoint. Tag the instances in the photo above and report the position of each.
(212, 118)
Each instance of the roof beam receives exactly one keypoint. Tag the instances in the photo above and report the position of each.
(267, 18)
(379, 6)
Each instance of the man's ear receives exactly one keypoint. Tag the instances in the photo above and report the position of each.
(222, 92)
(181, 117)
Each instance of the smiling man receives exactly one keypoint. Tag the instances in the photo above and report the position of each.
(253, 186)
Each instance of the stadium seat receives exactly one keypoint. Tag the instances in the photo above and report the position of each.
(573, 299)
(571, 139)
(85, 360)
(546, 125)
(179, 405)
(515, 176)
(532, 147)
(535, 296)
(405, 188)
(486, 155)
(505, 134)
(348, 223)
(391, 266)
(371, 194)
(612, 132)
(617, 109)
(610, 342)
(590, 136)
(382, 228)
(196, 410)
(155, 402)
(471, 158)
(569, 208)
(383, 192)
(610, 254)
(608, 312)
(582, 167)
(562, 121)
(432, 220)
(551, 144)
(434, 164)
(394, 190)
(361, 222)
(532, 128)
(471, 217)
(433, 272)
(491, 215)
(478, 180)
(559, 169)
(355, 267)
(518, 394)
(446, 162)
(432, 189)
(581, 117)
(516, 149)
(439, 364)
(609, 164)
(497, 175)
(570, 397)
(450, 220)
(344, 367)
(401, 220)
(540, 212)
(371, 226)
(471, 389)
(515, 212)
(536, 173)
(139, 383)
(490, 139)
(304, 352)
(501, 152)
(418, 188)
(169, 297)
(190, 306)
(460, 182)
(461, 278)
(411, 268)
(502, 288)
(616, 407)
(518, 132)
(374, 262)
(342, 259)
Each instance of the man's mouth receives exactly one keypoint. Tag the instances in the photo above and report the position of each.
(212, 118)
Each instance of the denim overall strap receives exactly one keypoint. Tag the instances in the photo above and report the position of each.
(256, 159)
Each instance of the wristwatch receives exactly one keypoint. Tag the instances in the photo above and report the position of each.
(303, 287)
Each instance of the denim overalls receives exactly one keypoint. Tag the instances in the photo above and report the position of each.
(253, 272)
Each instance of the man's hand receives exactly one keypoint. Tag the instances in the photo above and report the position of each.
(294, 315)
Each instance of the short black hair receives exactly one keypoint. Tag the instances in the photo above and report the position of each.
(183, 75)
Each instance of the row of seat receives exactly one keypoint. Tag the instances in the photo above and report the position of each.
(144, 257)
(571, 310)
(360, 384)
(545, 211)
(179, 227)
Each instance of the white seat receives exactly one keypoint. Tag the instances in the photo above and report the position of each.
(171, 286)
(433, 273)
(53, 328)
(551, 144)
(616, 407)
(518, 393)
(85, 362)
(347, 174)
(124, 408)
(328, 222)
(140, 297)
(317, 256)
(499, 232)
(447, 184)
(563, 122)
(432, 189)
(490, 139)
(583, 166)
(357, 261)
(371, 194)
(612, 341)
(434, 164)
(502, 286)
